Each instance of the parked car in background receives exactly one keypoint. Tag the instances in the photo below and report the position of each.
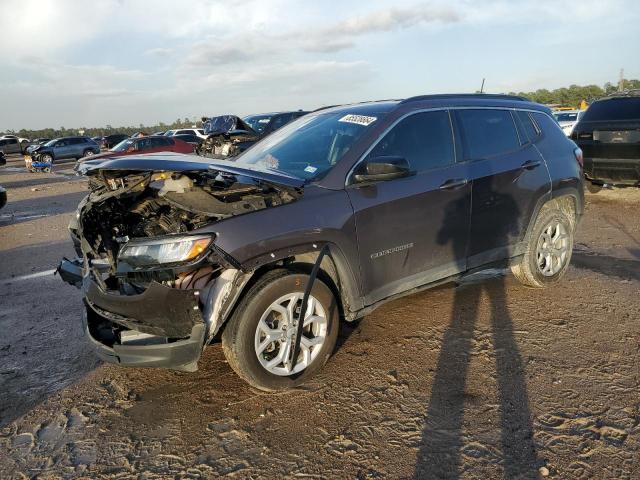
(567, 119)
(140, 145)
(227, 136)
(112, 140)
(62, 148)
(189, 138)
(139, 135)
(155, 134)
(23, 142)
(609, 136)
(3, 192)
(35, 143)
(265, 123)
(186, 131)
(10, 144)
(341, 211)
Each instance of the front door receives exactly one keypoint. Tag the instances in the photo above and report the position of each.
(413, 230)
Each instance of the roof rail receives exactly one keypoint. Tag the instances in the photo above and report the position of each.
(445, 96)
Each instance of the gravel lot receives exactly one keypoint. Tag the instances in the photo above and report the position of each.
(479, 380)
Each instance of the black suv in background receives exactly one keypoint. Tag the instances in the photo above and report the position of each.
(335, 214)
(609, 136)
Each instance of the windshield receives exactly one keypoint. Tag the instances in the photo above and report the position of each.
(258, 122)
(123, 145)
(310, 146)
(50, 143)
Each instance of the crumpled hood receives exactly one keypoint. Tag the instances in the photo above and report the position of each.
(178, 162)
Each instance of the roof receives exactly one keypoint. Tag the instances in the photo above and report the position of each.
(437, 100)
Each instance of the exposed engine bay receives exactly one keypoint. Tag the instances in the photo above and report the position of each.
(123, 206)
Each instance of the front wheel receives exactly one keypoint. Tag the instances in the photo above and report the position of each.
(259, 336)
(548, 251)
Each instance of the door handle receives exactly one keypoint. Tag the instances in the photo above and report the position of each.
(454, 183)
(531, 164)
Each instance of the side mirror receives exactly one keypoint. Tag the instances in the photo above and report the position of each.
(379, 169)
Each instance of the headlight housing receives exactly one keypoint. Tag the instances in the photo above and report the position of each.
(164, 250)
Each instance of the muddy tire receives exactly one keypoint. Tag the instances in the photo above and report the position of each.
(257, 337)
(548, 250)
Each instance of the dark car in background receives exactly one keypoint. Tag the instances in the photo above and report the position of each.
(265, 123)
(228, 135)
(63, 148)
(140, 145)
(337, 213)
(36, 143)
(110, 141)
(609, 135)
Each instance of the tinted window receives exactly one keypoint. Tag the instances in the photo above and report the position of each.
(549, 127)
(527, 125)
(487, 132)
(3, 142)
(184, 132)
(423, 139)
(11, 141)
(613, 109)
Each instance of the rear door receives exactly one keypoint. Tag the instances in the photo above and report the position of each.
(413, 230)
(508, 175)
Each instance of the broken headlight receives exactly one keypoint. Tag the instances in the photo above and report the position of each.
(164, 250)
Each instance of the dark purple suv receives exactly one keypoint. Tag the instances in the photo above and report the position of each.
(324, 220)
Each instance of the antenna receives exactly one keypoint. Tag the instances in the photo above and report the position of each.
(482, 86)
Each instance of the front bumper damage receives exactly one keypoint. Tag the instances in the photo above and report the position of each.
(162, 327)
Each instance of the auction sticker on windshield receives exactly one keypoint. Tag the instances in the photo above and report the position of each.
(359, 119)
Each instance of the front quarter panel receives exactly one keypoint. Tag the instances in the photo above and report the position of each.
(318, 216)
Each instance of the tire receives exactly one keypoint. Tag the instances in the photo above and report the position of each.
(86, 153)
(46, 158)
(551, 225)
(593, 187)
(241, 336)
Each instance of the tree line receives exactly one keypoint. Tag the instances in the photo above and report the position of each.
(573, 95)
(102, 131)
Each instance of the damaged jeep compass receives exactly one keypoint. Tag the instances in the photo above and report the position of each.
(324, 220)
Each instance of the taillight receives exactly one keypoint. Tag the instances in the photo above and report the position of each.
(579, 157)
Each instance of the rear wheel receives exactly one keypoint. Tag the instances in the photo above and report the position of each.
(259, 335)
(87, 153)
(548, 250)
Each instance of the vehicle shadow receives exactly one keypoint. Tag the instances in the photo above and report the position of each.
(443, 437)
(25, 210)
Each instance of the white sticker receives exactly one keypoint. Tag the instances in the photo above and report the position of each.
(358, 119)
(310, 169)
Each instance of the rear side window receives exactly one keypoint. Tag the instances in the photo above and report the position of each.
(549, 127)
(627, 108)
(424, 139)
(487, 132)
(528, 128)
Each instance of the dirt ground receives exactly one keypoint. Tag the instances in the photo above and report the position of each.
(482, 380)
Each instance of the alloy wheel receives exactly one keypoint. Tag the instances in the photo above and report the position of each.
(553, 249)
(276, 330)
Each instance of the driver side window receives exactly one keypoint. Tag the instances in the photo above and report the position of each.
(424, 139)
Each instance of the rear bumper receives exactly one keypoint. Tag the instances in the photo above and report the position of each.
(618, 171)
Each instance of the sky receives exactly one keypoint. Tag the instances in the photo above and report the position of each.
(94, 63)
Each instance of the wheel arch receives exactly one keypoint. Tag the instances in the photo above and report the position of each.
(335, 272)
